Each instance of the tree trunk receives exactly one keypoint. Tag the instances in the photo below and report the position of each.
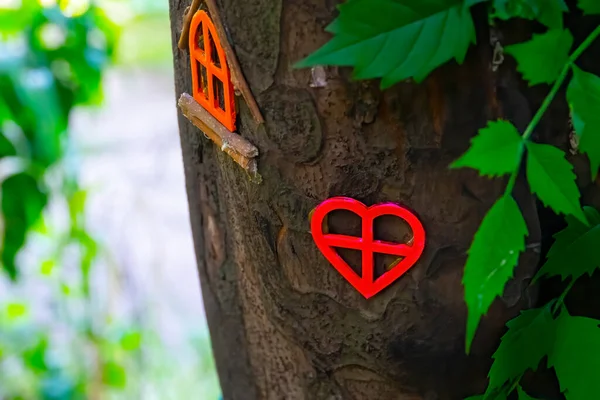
(284, 323)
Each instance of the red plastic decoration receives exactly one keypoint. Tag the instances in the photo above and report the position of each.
(366, 284)
(210, 75)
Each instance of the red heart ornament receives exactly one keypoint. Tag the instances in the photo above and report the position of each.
(366, 284)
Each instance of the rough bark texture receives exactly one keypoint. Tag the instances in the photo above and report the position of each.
(284, 323)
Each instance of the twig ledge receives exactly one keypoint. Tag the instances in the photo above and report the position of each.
(241, 150)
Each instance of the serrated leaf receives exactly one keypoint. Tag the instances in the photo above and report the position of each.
(583, 96)
(492, 257)
(529, 338)
(507, 9)
(548, 12)
(551, 13)
(573, 253)
(396, 40)
(552, 179)
(495, 151)
(572, 345)
(589, 6)
(575, 356)
(542, 58)
(575, 228)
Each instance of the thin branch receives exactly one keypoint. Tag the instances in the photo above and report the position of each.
(237, 76)
(184, 39)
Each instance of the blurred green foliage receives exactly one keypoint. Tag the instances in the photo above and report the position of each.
(147, 19)
(49, 64)
(58, 338)
(51, 60)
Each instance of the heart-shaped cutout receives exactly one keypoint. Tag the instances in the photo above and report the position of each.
(366, 284)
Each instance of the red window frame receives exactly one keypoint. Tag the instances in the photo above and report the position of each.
(204, 87)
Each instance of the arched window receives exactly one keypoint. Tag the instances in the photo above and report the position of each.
(210, 75)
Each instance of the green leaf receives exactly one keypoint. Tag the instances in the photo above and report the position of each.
(589, 6)
(575, 229)
(114, 375)
(552, 179)
(22, 205)
(471, 3)
(495, 151)
(548, 12)
(542, 58)
(583, 96)
(575, 356)
(7, 148)
(523, 394)
(38, 96)
(16, 310)
(47, 267)
(529, 338)
(572, 345)
(492, 258)
(574, 250)
(131, 341)
(5, 113)
(35, 357)
(15, 20)
(396, 40)
(551, 13)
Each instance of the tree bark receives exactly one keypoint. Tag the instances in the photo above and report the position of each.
(284, 324)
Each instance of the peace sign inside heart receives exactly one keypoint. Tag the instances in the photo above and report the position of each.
(367, 283)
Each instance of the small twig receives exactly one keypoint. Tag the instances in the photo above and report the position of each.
(184, 39)
(237, 77)
(242, 151)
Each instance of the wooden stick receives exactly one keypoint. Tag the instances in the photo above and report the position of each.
(242, 151)
(184, 39)
(237, 76)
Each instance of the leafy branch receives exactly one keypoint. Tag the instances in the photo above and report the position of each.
(551, 179)
(407, 39)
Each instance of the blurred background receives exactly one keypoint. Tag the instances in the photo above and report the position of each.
(99, 295)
